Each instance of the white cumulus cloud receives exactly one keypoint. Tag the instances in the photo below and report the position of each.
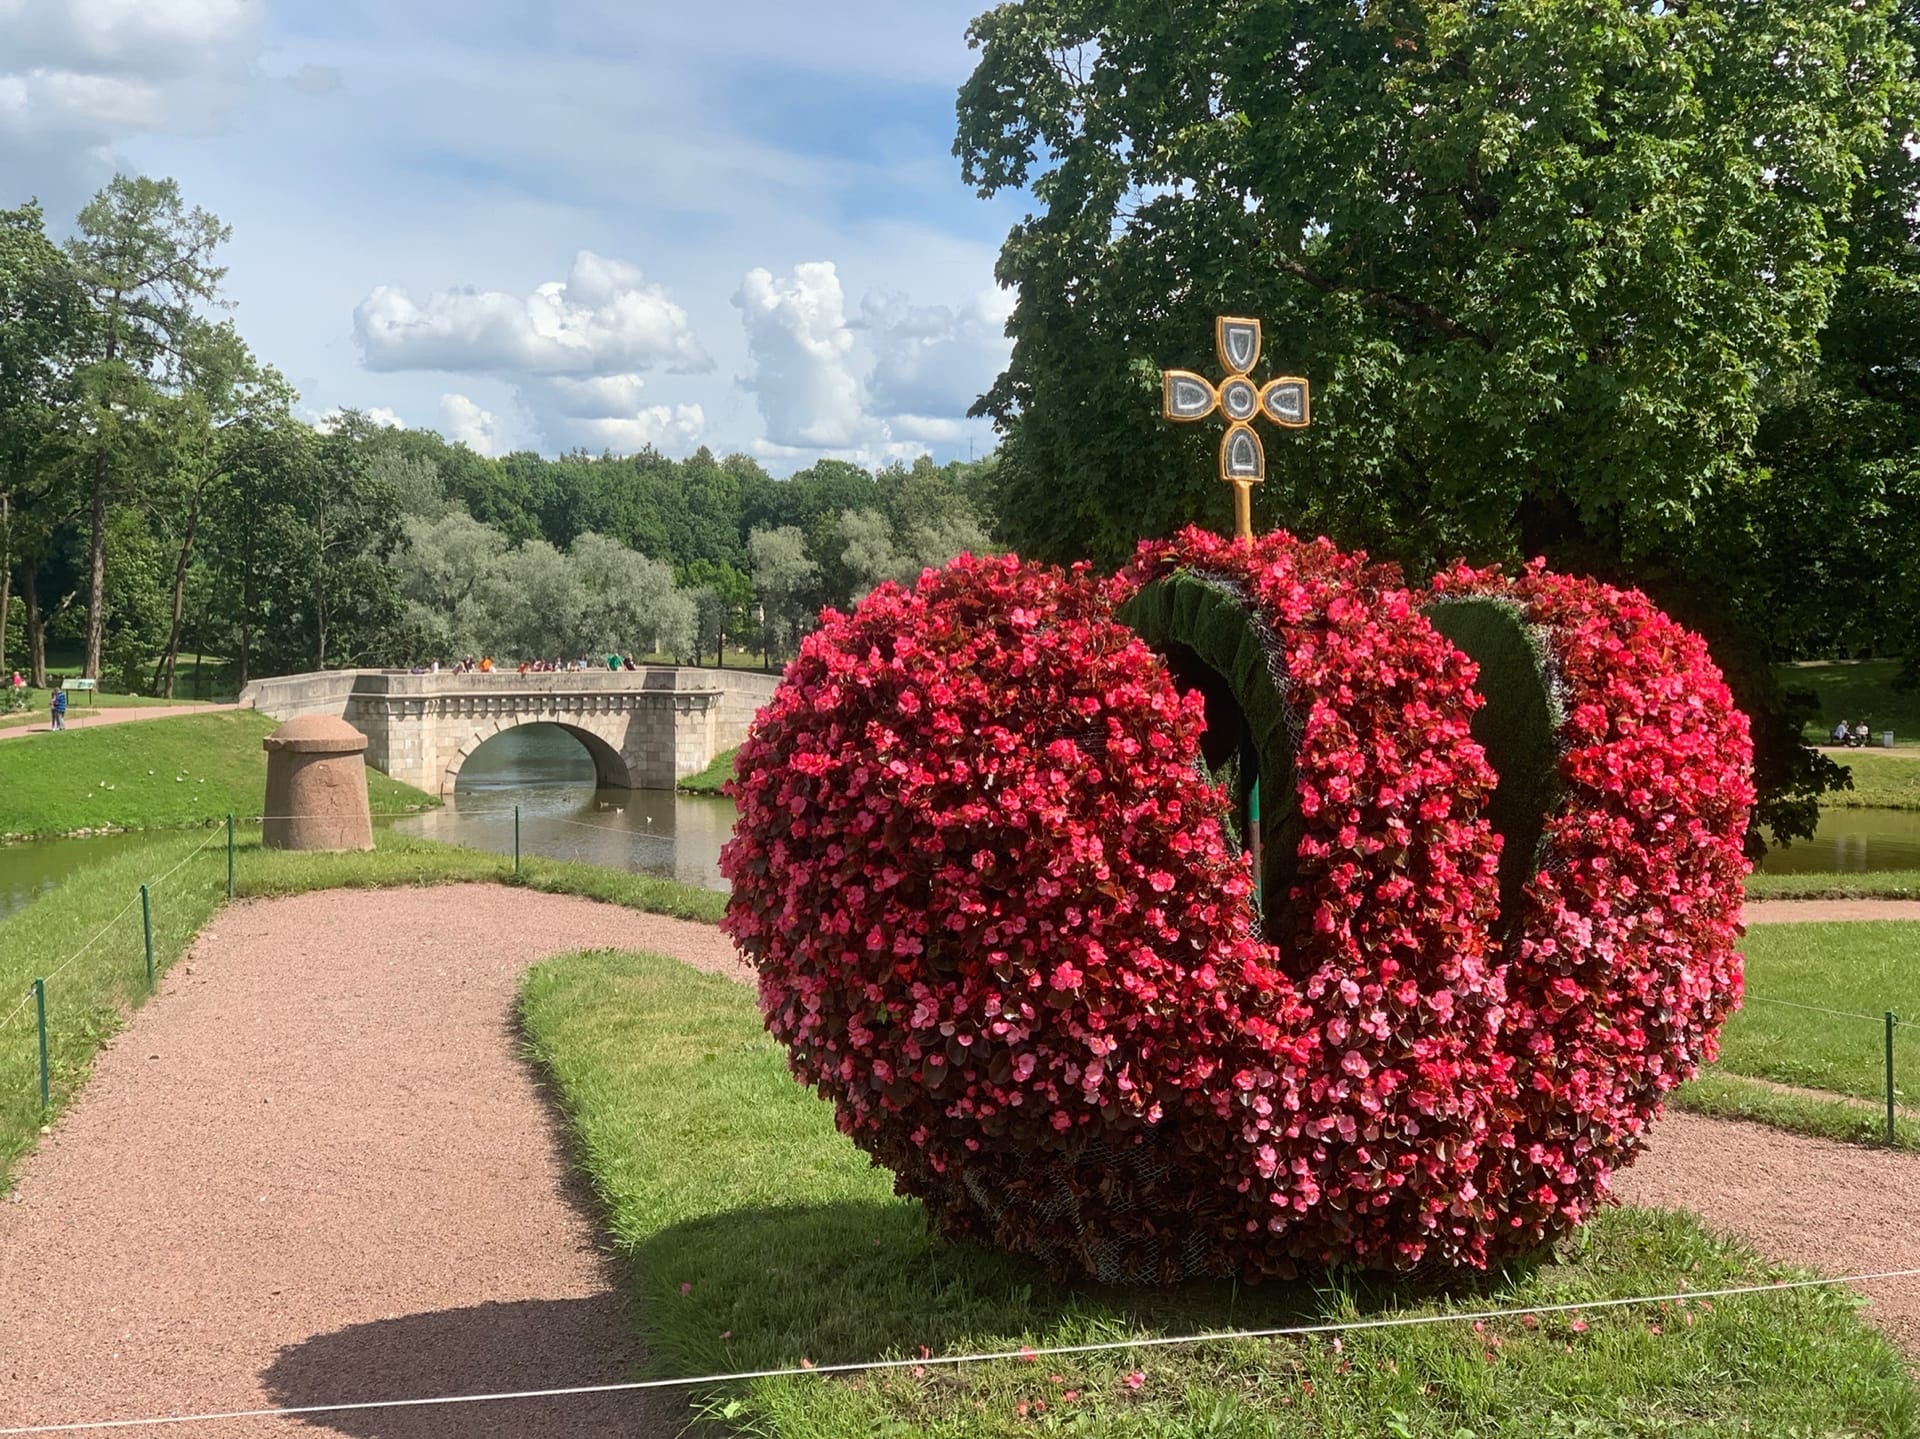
(467, 424)
(881, 387)
(604, 318)
(800, 349)
(77, 77)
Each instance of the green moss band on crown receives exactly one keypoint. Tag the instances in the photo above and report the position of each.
(1211, 621)
(1207, 619)
(1518, 727)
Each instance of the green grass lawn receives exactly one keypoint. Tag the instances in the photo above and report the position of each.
(716, 774)
(1798, 972)
(1875, 884)
(95, 915)
(1856, 690)
(1789, 1033)
(759, 1237)
(1879, 782)
(152, 775)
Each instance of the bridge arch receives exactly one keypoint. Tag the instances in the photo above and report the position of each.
(609, 765)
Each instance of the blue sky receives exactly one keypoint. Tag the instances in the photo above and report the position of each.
(580, 222)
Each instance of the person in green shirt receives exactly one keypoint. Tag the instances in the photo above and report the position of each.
(613, 662)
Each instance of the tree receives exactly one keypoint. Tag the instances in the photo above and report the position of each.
(144, 262)
(227, 400)
(629, 597)
(40, 329)
(869, 557)
(448, 570)
(783, 572)
(1544, 261)
(729, 610)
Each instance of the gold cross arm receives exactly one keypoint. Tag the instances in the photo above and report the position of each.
(1186, 396)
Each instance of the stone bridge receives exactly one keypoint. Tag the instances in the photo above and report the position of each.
(646, 728)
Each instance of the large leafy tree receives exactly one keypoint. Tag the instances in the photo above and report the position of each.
(43, 326)
(144, 261)
(1546, 262)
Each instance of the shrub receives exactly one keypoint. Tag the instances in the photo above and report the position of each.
(1002, 921)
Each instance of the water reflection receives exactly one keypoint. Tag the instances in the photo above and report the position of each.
(31, 868)
(545, 772)
(1853, 841)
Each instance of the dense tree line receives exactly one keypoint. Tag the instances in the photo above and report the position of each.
(1631, 286)
(159, 495)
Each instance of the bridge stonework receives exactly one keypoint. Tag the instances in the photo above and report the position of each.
(646, 728)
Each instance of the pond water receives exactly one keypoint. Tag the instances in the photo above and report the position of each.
(563, 815)
(31, 869)
(1852, 841)
(545, 772)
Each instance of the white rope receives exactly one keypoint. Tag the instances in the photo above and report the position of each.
(1819, 1009)
(1054, 1351)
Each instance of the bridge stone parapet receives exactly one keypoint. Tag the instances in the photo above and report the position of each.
(645, 728)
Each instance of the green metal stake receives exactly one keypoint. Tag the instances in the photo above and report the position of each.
(46, 1074)
(146, 922)
(1253, 841)
(1892, 1020)
(229, 856)
(516, 839)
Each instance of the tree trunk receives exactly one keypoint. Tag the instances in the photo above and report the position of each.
(36, 631)
(163, 672)
(6, 576)
(97, 570)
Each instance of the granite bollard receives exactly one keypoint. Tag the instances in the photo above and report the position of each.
(316, 786)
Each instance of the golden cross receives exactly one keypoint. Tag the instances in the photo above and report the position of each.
(1186, 396)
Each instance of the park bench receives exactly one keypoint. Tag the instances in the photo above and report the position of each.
(75, 686)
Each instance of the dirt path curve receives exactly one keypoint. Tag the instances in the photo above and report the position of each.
(93, 719)
(1805, 911)
(1837, 1208)
(317, 1169)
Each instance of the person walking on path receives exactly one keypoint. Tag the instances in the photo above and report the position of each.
(59, 709)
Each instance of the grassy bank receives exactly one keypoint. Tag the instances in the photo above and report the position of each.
(1856, 690)
(1879, 782)
(1815, 997)
(713, 777)
(156, 774)
(1878, 884)
(760, 1238)
(1813, 1020)
(85, 936)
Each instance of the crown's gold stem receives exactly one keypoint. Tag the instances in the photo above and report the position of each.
(1243, 508)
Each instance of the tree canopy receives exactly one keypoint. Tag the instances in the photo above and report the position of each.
(1554, 268)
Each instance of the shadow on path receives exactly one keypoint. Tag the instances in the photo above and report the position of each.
(483, 1349)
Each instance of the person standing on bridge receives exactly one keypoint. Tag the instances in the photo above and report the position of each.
(613, 663)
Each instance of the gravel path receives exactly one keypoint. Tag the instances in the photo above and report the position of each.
(318, 1170)
(1837, 1208)
(1804, 911)
(126, 714)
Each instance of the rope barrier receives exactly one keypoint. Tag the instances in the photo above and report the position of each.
(1167, 1341)
(100, 933)
(1819, 1009)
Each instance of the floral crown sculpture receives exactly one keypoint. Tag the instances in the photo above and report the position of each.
(1018, 913)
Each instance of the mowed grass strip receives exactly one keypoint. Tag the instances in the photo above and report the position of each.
(1879, 782)
(158, 774)
(1796, 974)
(95, 915)
(758, 1237)
(1877, 884)
(714, 776)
